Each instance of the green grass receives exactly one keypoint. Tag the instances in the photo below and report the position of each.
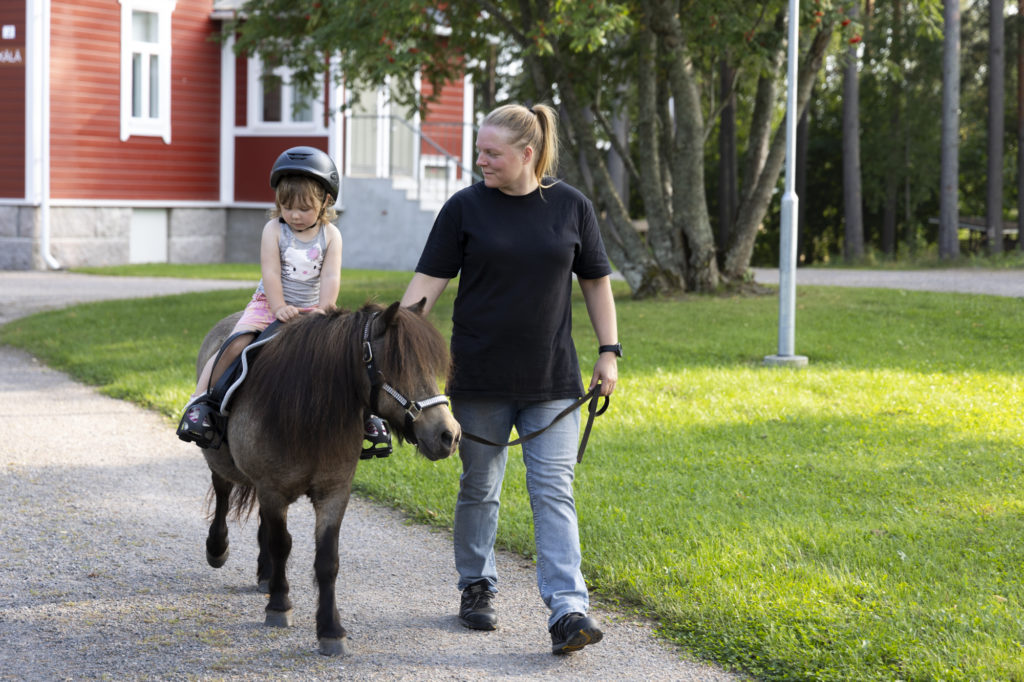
(858, 519)
(240, 271)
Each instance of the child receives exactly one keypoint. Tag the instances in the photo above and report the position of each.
(300, 263)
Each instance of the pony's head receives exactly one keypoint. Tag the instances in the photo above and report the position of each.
(404, 355)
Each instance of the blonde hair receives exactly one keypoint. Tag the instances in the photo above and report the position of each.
(305, 190)
(536, 127)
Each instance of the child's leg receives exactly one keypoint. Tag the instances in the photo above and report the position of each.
(210, 374)
(230, 354)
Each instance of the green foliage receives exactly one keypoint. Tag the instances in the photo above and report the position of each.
(855, 520)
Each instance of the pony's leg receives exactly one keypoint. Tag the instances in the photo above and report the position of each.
(263, 560)
(217, 539)
(329, 513)
(279, 546)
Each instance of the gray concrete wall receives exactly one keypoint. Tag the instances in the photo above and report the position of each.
(18, 249)
(242, 240)
(381, 229)
(196, 235)
(82, 236)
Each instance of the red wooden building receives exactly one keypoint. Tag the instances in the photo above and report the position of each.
(129, 136)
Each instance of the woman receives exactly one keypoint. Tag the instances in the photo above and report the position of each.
(517, 238)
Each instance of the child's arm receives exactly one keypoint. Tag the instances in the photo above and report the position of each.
(330, 272)
(270, 268)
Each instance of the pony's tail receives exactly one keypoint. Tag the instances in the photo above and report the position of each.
(241, 503)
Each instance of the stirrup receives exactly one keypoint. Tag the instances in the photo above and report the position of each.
(202, 424)
(376, 438)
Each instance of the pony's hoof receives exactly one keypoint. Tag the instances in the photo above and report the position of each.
(334, 647)
(217, 561)
(278, 619)
(263, 585)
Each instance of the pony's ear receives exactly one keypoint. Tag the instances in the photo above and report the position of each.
(418, 306)
(388, 318)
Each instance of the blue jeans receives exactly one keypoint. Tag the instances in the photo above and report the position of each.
(550, 461)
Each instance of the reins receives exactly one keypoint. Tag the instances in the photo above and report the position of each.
(592, 412)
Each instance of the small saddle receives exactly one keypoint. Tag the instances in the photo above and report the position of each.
(224, 388)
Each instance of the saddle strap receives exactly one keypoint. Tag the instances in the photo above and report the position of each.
(592, 412)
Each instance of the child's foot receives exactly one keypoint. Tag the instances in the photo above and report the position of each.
(376, 438)
(201, 423)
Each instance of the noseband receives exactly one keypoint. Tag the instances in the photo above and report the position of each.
(413, 408)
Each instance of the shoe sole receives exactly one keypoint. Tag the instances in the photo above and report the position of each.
(578, 641)
(477, 626)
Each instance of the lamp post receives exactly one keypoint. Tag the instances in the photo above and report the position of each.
(790, 202)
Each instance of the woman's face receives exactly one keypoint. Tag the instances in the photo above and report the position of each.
(503, 166)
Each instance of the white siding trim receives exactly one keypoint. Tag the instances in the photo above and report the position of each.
(228, 91)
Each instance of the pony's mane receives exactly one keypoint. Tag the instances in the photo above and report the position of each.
(311, 377)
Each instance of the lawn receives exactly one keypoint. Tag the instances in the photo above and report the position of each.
(857, 519)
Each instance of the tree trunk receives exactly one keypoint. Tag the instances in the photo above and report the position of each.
(616, 163)
(895, 160)
(1020, 126)
(760, 131)
(727, 174)
(686, 161)
(996, 97)
(800, 182)
(949, 193)
(853, 233)
(753, 209)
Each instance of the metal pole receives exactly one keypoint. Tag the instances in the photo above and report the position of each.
(790, 203)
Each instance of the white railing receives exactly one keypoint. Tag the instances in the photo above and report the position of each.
(424, 159)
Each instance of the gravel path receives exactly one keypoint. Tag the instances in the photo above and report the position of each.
(956, 280)
(103, 575)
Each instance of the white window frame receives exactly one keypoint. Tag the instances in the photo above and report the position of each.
(146, 126)
(286, 125)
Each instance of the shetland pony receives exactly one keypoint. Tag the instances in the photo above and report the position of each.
(295, 427)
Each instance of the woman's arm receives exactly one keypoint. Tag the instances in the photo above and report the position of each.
(597, 293)
(330, 271)
(424, 286)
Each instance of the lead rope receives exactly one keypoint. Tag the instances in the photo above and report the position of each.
(592, 412)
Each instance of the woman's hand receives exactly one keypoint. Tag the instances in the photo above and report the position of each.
(606, 370)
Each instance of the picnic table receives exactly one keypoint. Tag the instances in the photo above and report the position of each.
(977, 231)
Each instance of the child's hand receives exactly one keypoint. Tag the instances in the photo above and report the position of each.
(286, 312)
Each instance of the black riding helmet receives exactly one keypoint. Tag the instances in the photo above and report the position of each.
(308, 161)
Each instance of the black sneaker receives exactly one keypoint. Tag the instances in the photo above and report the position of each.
(201, 423)
(376, 438)
(476, 611)
(572, 632)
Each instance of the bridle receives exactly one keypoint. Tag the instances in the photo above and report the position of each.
(413, 408)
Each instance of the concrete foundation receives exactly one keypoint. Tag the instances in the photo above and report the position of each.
(381, 229)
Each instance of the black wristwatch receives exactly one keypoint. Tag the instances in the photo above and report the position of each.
(614, 348)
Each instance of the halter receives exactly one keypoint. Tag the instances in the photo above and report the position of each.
(413, 408)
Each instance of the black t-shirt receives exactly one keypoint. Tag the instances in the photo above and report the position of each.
(512, 323)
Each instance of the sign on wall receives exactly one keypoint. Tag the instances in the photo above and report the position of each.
(11, 49)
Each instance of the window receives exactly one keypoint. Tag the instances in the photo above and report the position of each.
(275, 103)
(146, 68)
